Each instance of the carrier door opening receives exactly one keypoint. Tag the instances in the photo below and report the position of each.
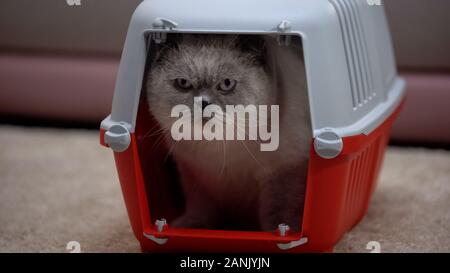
(223, 131)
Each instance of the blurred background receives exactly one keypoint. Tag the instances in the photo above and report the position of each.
(58, 65)
(59, 62)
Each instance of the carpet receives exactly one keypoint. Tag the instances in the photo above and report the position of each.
(60, 185)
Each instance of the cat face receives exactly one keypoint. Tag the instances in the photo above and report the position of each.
(223, 70)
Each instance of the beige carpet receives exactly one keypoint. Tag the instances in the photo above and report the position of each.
(58, 186)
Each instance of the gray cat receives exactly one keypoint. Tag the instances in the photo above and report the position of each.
(233, 181)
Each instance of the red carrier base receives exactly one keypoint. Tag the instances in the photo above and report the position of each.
(337, 197)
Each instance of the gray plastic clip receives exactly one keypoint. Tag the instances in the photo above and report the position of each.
(283, 229)
(286, 246)
(164, 23)
(161, 23)
(283, 27)
(328, 144)
(159, 241)
(118, 138)
(160, 225)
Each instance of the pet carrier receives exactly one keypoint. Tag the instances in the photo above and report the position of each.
(354, 95)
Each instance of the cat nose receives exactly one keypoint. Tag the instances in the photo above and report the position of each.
(204, 104)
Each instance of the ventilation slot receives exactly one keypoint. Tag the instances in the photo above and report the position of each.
(361, 170)
(356, 51)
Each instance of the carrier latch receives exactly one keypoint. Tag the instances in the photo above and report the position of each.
(160, 225)
(328, 144)
(286, 246)
(282, 230)
(118, 138)
(162, 23)
(283, 27)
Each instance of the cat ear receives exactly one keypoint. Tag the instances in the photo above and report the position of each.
(253, 44)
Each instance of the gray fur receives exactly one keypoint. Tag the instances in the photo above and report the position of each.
(234, 177)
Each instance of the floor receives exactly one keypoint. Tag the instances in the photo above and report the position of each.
(58, 186)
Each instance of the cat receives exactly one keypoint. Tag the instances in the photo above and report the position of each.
(232, 183)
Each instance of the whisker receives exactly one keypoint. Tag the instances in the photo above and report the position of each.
(157, 132)
(251, 154)
(172, 148)
(150, 130)
(158, 141)
(224, 159)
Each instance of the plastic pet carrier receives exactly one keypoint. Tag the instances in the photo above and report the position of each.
(352, 92)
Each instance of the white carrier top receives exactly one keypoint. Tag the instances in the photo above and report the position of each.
(351, 75)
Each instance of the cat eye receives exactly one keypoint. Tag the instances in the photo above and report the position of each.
(183, 84)
(227, 85)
